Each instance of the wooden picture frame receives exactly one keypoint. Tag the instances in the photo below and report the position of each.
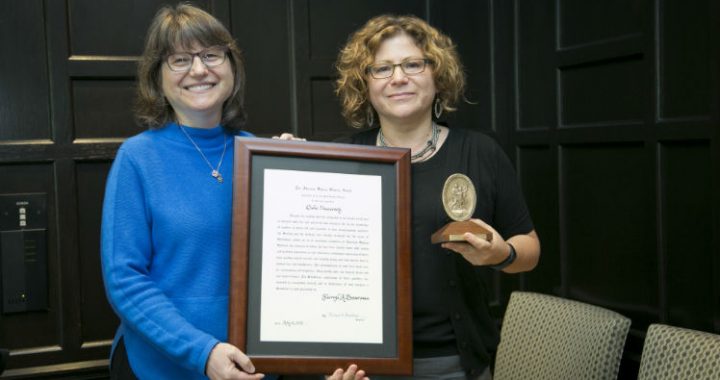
(288, 253)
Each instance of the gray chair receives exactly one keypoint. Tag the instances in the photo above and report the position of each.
(544, 337)
(677, 353)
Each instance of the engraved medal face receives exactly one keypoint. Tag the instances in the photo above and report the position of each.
(459, 197)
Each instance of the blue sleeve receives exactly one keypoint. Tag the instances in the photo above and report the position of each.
(126, 256)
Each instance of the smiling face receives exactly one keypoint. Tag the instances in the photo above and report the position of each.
(197, 95)
(401, 98)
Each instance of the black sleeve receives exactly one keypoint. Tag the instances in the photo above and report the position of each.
(511, 213)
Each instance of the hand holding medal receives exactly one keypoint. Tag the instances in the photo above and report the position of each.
(459, 200)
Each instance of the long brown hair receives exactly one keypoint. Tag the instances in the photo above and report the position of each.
(183, 26)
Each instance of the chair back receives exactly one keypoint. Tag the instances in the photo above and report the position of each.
(544, 337)
(677, 353)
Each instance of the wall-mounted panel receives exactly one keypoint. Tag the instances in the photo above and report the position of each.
(603, 92)
(684, 54)
(103, 108)
(35, 329)
(268, 65)
(591, 21)
(92, 23)
(686, 190)
(537, 170)
(23, 252)
(535, 96)
(98, 321)
(331, 22)
(469, 25)
(327, 123)
(609, 223)
(24, 85)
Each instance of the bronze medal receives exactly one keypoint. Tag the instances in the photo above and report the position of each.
(459, 200)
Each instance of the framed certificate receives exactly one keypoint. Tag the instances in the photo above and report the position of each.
(320, 261)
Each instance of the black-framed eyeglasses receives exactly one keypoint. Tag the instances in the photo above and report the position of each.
(409, 67)
(210, 57)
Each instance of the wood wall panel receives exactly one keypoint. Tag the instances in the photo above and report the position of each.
(327, 123)
(24, 87)
(638, 189)
(470, 25)
(687, 226)
(268, 64)
(603, 92)
(330, 23)
(609, 228)
(535, 68)
(537, 170)
(93, 23)
(592, 21)
(685, 59)
(102, 108)
(98, 321)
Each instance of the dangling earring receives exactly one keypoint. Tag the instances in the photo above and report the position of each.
(438, 108)
(370, 115)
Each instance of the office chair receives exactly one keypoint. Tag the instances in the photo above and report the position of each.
(678, 353)
(545, 337)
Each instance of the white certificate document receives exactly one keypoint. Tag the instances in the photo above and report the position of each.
(322, 257)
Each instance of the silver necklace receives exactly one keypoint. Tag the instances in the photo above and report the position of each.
(429, 147)
(215, 172)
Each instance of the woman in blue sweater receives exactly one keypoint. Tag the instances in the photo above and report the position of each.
(167, 212)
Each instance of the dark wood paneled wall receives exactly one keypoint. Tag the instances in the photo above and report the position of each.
(615, 136)
(608, 108)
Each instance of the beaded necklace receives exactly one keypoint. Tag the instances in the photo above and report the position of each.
(429, 147)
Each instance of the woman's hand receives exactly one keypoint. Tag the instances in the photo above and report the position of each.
(288, 136)
(479, 251)
(352, 373)
(228, 362)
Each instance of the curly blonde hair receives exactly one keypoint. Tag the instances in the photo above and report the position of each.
(359, 53)
(182, 26)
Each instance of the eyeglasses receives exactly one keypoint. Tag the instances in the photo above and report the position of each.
(409, 67)
(210, 57)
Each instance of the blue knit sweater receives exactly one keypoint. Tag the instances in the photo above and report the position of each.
(166, 249)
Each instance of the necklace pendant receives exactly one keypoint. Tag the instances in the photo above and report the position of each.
(216, 174)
